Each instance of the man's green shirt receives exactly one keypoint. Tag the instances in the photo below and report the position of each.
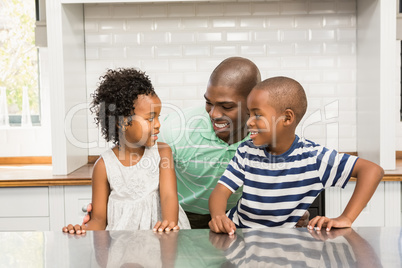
(200, 157)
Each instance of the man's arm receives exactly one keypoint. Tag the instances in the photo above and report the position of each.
(220, 223)
(368, 176)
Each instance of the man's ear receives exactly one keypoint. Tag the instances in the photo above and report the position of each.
(290, 117)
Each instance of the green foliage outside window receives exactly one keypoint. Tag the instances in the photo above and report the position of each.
(18, 54)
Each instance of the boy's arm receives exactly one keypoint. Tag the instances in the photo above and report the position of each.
(100, 195)
(368, 176)
(167, 190)
(220, 223)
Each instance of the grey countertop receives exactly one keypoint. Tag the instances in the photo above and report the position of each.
(270, 247)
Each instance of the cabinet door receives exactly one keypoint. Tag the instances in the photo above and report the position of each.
(76, 198)
(24, 209)
(374, 212)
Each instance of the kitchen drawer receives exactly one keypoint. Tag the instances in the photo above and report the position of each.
(24, 202)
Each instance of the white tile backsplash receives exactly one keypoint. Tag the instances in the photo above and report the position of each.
(250, 22)
(223, 23)
(180, 10)
(266, 9)
(179, 44)
(322, 7)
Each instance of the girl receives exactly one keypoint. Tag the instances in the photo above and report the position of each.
(134, 183)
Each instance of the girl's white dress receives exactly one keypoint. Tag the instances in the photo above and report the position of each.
(134, 202)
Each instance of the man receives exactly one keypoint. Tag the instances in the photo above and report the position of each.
(209, 137)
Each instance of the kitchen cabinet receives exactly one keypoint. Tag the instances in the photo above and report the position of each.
(52, 207)
(76, 199)
(383, 209)
(24, 209)
(42, 208)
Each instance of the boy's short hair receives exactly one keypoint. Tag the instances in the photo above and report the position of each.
(285, 93)
(114, 98)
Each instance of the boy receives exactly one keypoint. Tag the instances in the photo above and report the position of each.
(282, 174)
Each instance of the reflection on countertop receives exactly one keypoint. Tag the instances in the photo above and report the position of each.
(268, 247)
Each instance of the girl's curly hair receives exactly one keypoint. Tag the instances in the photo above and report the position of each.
(114, 98)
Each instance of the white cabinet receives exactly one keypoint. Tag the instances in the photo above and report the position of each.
(24, 209)
(373, 214)
(383, 209)
(42, 208)
(76, 198)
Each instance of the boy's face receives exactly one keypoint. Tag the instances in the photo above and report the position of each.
(265, 123)
(228, 112)
(145, 122)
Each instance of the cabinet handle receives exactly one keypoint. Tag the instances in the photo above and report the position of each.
(84, 208)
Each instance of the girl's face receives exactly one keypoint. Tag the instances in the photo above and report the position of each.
(265, 123)
(145, 122)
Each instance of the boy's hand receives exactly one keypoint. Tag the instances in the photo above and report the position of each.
(166, 226)
(322, 222)
(222, 224)
(76, 229)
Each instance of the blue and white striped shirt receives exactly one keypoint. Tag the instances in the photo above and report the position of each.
(278, 189)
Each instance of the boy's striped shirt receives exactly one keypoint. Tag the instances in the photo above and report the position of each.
(278, 189)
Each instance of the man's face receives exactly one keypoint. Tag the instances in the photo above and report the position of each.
(227, 109)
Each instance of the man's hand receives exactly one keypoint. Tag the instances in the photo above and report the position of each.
(303, 221)
(87, 217)
(222, 224)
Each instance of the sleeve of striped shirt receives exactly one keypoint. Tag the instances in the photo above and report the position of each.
(233, 177)
(334, 168)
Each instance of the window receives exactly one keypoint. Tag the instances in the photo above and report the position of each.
(19, 89)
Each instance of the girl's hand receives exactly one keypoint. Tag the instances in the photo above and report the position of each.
(322, 222)
(76, 229)
(166, 226)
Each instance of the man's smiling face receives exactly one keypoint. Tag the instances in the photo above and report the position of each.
(228, 113)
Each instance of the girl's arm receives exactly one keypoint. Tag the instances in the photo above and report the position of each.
(167, 190)
(100, 195)
(368, 176)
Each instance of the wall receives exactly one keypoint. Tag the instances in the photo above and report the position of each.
(179, 44)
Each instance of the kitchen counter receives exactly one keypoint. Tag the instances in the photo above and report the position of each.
(268, 247)
(41, 175)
